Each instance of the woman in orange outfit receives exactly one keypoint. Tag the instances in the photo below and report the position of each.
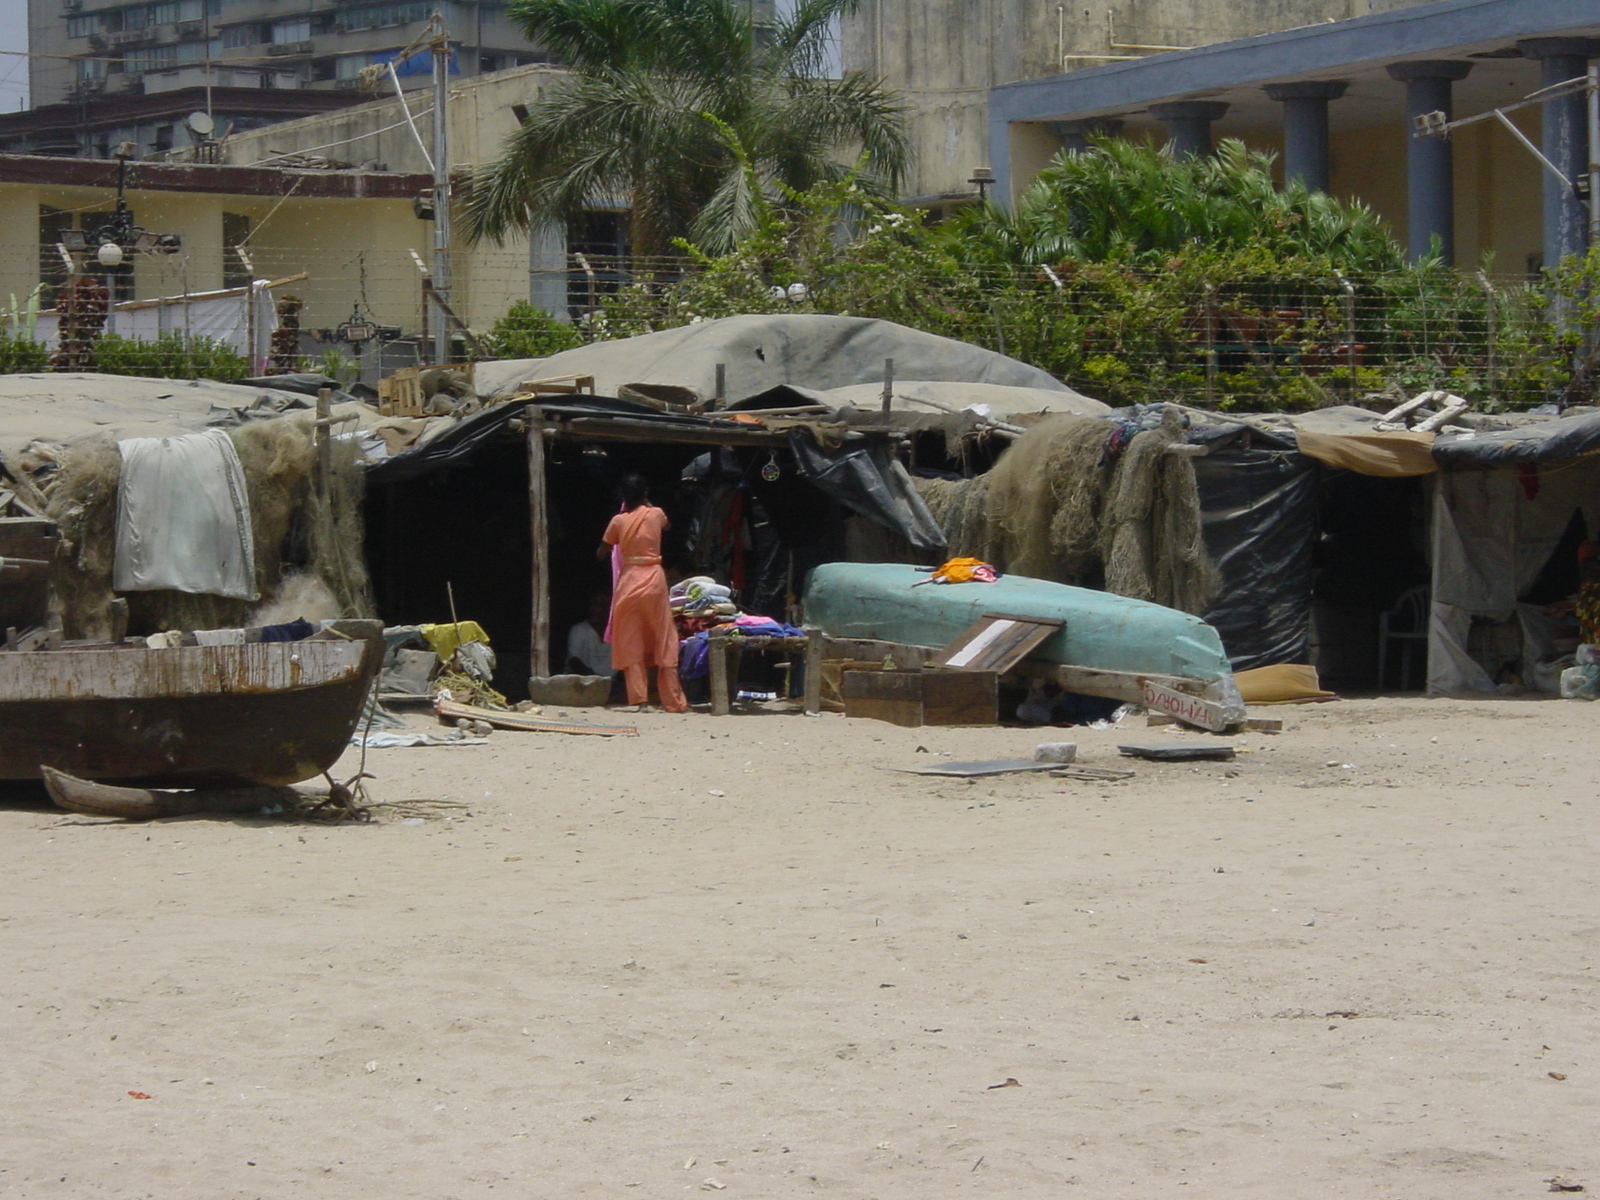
(642, 634)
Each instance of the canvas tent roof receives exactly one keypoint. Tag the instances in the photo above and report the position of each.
(1004, 400)
(763, 351)
(58, 408)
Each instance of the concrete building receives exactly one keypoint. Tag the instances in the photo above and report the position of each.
(1335, 99)
(325, 224)
(946, 56)
(485, 279)
(111, 47)
(156, 122)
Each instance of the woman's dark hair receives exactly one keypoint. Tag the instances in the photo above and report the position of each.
(634, 489)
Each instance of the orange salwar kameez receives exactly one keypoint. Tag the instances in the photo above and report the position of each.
(642, 632)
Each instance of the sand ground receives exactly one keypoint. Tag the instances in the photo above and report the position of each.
(739, 955)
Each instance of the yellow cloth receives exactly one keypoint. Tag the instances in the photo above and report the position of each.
(447, 639)
(1282, 683)
(1395, 453)
(959, 570)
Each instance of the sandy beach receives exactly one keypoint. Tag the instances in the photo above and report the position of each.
(745, 956)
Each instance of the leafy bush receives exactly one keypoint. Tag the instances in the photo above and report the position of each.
(170, 356)
(21, 354)
(529, 332)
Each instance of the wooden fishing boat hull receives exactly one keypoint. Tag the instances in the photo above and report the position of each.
(190, 716)
(879, 601)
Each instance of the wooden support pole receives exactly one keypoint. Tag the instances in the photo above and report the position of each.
(888, 384)
(539, 528)
(813, 688)
(717, 661)
(322, 436)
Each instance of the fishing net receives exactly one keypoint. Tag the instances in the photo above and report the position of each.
(1078, 500)
(288, 525)
(1151, 538)
(960, 508)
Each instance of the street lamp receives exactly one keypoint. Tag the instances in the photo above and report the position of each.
(119, 236)
(983, 177)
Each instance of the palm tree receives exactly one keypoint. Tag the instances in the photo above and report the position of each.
(688, 111)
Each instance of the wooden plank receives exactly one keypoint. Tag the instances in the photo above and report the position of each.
(557, 384)
(813, 688)
(539, 532)
(1191, 710)
(624, 430)
(901, 655)
(717, 668)
(996, 642)
(451, 711)
(914, 698)
(960, 698)
(1127, 686)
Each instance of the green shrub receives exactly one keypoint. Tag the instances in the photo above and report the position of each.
(21, 354)
(529, 332)
(170, 356)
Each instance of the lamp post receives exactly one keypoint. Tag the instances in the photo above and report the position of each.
(84, 315)
(118, 237)
(983, 178)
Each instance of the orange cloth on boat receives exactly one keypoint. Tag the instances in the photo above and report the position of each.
(642, 632)
(965, 570)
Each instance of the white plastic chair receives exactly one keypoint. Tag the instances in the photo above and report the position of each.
(1407, 625)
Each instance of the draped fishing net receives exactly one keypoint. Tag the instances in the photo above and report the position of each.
(295, 536)
(1076, 500)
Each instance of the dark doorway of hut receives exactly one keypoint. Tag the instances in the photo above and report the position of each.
(742, 516)
(1370, 558)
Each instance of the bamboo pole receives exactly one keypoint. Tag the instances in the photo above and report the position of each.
(539, 528)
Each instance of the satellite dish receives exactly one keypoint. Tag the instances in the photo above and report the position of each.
(201, 124)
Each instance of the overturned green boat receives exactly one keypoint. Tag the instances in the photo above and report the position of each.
(881, 602)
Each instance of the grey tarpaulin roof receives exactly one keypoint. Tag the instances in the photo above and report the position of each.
(1547, 441)
(55, 407)
(762, 351)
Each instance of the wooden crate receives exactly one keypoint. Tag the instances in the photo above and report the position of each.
(915, 698)
(400, 394)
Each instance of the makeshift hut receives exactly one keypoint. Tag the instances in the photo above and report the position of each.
(1386, 556)
(761, 475)
(1512, 509)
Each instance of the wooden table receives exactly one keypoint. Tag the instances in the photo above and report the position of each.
(725, 645)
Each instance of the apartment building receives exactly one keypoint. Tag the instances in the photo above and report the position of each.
(108, 48)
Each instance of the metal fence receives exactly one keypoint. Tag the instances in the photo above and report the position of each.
(1261, 342)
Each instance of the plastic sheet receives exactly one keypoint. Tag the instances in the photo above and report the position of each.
(868, 480)
(1551, 441)
(1258, 509)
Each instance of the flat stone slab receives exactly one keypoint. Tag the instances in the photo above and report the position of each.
(1176, 751)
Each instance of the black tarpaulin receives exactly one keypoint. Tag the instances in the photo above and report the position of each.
(868, 480)
(1550, 441)
(457, 444)
(1259, 509)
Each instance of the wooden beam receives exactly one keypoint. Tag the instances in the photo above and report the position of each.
(813, 687)
(717, 664)
(539, 529)
(1127, 686)
(622, 429)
